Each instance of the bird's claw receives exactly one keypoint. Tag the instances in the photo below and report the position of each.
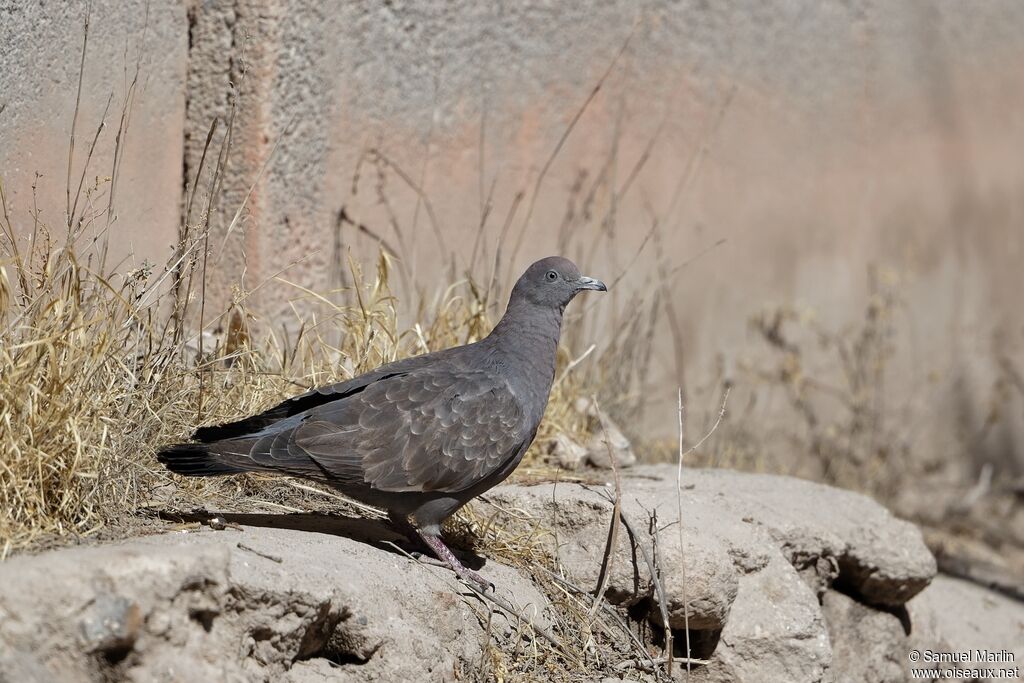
(471, 577)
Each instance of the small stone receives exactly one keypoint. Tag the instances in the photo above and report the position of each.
(111, 624)
(568, 452)
(608, 442)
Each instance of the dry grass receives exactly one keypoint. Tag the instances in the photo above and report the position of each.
(857, 437)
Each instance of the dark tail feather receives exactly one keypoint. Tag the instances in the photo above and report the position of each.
(285, 409)
(195, 460)
(232, 430)
(250, 425)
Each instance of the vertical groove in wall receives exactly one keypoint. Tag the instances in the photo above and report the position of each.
(186, 168)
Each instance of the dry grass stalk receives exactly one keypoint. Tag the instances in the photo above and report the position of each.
(613, 529)
(679, 507)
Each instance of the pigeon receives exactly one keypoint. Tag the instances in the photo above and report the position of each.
(418, 437)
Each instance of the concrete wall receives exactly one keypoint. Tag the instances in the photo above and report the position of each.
(817, 139)
(40, 58)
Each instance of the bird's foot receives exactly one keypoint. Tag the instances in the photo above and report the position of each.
(445, 554)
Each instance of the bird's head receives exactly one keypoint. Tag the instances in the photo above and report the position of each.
(553, 282)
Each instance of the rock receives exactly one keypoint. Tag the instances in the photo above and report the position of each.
(568, 453)
(883, 559)
(776, 633)
(868, 644)
(195, 606)
(111, 625)
(582, 516)
(23, 667)
(96, 585)
(610, 438)
(952, 615)
(606, 439)
(758, 552)
(709, 590)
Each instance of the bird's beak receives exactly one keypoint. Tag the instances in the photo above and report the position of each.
(591, 283)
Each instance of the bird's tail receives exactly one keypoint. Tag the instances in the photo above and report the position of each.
(196, 460)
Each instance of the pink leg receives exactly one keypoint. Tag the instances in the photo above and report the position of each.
(448, 557)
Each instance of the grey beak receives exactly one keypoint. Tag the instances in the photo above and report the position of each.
(591, 283)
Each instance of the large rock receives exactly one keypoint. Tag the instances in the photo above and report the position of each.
(196, 606)
(838, 533)
(755, 555)
(581, 517)
(953, 615)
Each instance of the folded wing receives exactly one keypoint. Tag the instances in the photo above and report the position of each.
(439, 428)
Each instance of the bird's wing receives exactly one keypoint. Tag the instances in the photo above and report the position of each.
(307, 401)
(437, 428)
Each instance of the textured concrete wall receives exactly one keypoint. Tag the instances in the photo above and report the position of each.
(818, 139)
(40, 60)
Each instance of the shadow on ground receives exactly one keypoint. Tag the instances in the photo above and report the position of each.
(380, 534)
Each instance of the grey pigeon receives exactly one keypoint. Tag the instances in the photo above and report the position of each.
(419, 437)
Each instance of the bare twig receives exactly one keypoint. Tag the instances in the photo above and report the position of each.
(679, 506)
(372, 512)
(663, 599)
(707, 435)
(420, 194)
(252, 187)
(573, 363)
(88, 159)
(649, 666)
(652, 568)
(679, 503)
(613, 529)
(78, 102)
(272, 558)
(609, 611)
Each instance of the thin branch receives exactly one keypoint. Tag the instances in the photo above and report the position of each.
(613, 530)
(78, 102)
(252, 188)
(420, 194)
(268, 556)
(572, 364)
(88, 159)
(679, 505)
(655, 577)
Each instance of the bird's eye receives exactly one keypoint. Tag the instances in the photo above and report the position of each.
(551, 276)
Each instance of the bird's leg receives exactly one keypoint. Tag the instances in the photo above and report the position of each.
(448, 557)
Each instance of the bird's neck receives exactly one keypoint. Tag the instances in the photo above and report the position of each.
(526, 338)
